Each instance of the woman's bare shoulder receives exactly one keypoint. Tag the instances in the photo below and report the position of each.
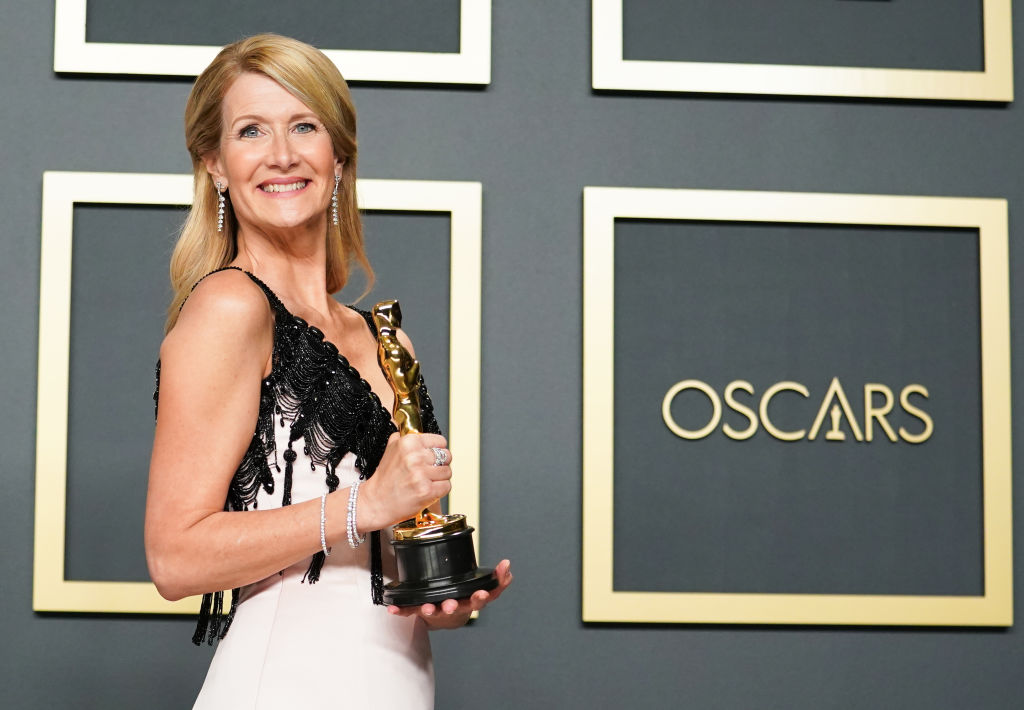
(227, 309)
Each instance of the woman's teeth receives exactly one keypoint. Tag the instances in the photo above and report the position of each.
(285, 187)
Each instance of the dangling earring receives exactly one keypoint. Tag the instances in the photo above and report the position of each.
(334, 201)
(220, 206)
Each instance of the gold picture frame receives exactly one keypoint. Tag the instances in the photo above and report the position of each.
(61, 191)
(610, 71)
(601, 602)
(72, 52)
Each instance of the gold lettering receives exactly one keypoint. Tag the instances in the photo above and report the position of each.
(836, 390)
(766, 400)
(913, 411)
(666, 409)
(742, 409)
(871, 412)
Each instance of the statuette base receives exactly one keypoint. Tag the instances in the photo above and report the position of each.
(434, 569)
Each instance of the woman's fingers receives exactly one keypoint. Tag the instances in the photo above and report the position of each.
(440, 490)
(435, 461)
(424, 441)
(425, 610)
(422, 610)
(445, 614)
(479, 600)
(504, 572)
(440, 473)
(428, 440)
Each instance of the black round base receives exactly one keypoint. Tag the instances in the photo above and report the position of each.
(432, 591)
(432, 570)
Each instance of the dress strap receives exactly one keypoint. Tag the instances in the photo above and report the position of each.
(275, 303)
(216, 271)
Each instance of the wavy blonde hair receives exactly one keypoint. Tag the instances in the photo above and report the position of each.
(312, 78)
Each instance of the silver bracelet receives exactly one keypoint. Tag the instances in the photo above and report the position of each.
(323, 526)
(354, 538)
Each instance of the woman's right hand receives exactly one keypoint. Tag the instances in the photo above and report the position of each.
(406, 481)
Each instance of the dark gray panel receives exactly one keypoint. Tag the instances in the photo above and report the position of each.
(910, 34)
(119, 295)
(768, 303)
(400, 25)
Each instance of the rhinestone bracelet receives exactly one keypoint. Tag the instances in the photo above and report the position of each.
(323, 525)
(354, 538)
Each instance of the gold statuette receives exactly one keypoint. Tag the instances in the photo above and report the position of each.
(402, 372)
(435, 554)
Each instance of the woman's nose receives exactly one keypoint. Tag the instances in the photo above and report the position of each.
(282, 152)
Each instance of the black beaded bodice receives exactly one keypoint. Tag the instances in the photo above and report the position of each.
(329, 410)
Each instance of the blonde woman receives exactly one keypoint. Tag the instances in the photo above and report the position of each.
(275, 453)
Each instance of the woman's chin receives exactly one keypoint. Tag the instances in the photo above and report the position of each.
(290, 223)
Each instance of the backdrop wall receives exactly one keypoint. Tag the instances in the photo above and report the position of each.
(534, 137)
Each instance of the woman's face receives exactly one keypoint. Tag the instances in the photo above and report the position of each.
(276, 157)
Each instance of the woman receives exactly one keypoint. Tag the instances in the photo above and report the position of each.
(275, 452)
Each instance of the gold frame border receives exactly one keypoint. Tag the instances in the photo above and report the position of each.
(995, 83)
(601, 603)
(61, 190)
(470, 65)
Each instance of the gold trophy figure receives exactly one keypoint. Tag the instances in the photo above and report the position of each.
(435, 554)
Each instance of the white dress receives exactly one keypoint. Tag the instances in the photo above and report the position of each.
(325, 645)
(292, 643)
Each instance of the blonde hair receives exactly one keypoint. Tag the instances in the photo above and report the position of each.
(312, 78)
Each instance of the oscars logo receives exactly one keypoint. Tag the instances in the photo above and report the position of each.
(835, 404)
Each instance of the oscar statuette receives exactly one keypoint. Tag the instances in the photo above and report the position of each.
(435, 554)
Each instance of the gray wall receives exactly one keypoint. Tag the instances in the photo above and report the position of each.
(534, 138)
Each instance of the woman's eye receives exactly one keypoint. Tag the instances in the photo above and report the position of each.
(305, 128)
(249, 132)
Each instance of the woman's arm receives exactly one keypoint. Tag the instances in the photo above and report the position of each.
(212, 365)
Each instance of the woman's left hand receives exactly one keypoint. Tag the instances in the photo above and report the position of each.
(453, 613)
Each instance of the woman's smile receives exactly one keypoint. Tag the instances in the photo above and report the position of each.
(283, 187)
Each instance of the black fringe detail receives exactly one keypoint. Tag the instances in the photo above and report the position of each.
(203, 621)
(252, 474)
(332, 478)
(235, 593)
(289, 458)
(213, 623)
(216, 618)
(316, 564)
(376, 569)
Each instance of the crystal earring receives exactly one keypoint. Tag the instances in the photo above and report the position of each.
(220, 206)
(334, 200)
